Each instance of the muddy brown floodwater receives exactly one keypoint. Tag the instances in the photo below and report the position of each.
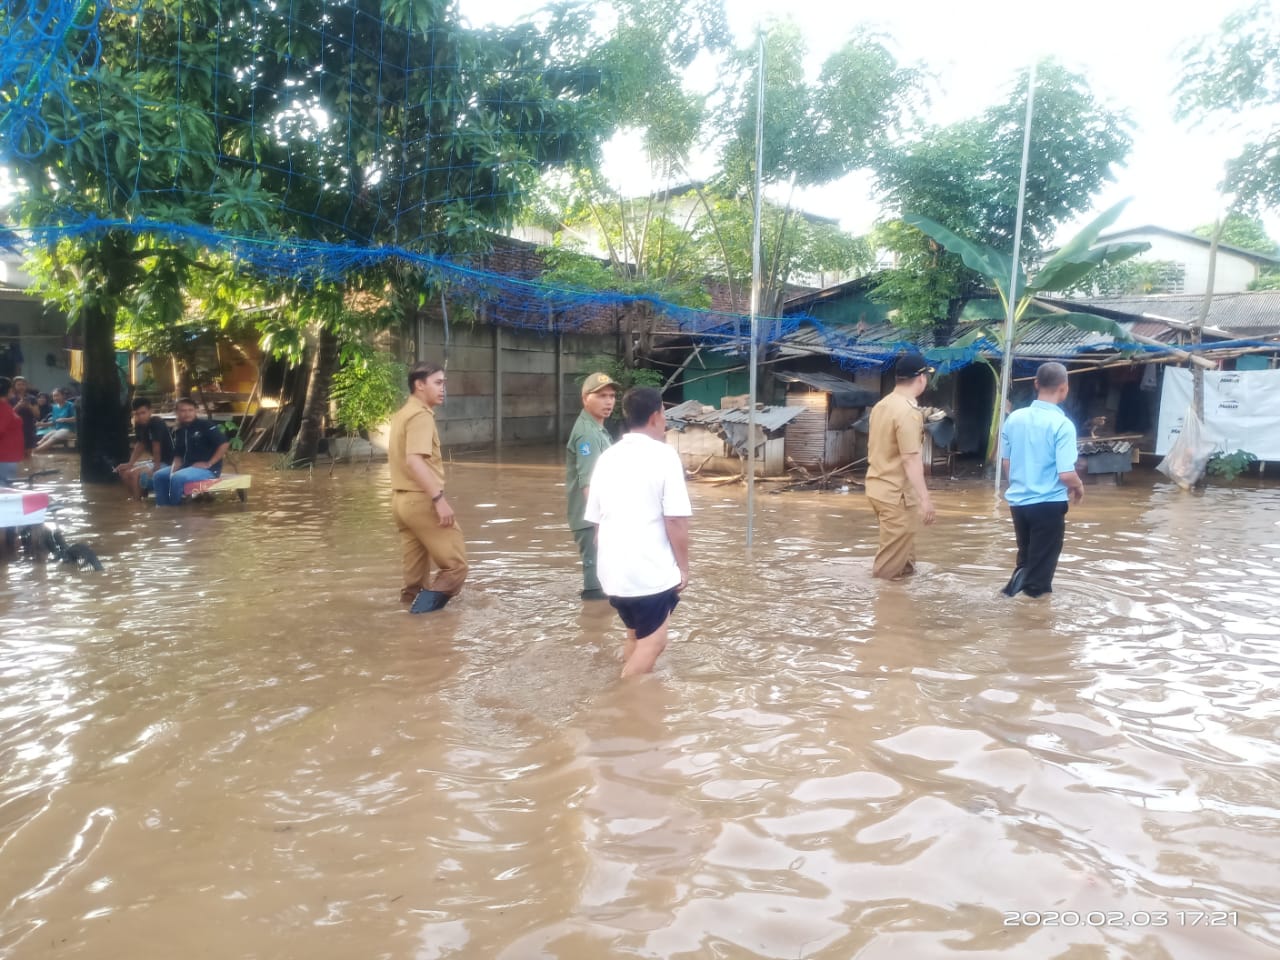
(234, 743)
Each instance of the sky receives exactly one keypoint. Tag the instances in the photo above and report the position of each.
(1129, 49)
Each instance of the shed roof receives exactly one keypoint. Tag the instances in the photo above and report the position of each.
(769, 419)
(1254, 312)
(838, 387)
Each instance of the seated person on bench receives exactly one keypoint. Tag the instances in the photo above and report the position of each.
(152, 449)
(61, 425)
(198, 449)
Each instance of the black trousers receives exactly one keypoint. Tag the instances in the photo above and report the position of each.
(1039, 528)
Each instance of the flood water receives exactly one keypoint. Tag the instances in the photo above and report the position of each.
(235, 743)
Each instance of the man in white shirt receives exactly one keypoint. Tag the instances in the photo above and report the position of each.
(640, 506)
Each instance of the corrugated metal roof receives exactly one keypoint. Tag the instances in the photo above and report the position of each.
(770, 419)
(845, 393)
(1256, 312)
(1056, 335)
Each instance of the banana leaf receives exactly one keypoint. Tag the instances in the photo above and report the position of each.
(994, 266)
(1060, 273)
(1091, 323)
(1087, 237)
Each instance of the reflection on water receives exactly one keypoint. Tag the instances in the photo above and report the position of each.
(235, 742)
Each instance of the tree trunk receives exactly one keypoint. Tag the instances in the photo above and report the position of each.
(103, 431)
(323, 366)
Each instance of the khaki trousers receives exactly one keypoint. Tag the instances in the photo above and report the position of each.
(897, 553)
(424, 543)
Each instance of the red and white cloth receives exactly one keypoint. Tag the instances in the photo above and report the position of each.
(20, 509)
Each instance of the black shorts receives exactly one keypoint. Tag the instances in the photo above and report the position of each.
(645, 615)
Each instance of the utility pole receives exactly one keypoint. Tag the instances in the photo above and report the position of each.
(1006, 367)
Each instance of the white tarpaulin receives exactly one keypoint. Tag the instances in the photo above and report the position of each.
(1241, 410)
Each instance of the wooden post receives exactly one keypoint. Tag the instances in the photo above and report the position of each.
(497, 381)
(559, 389)
(1202, 315)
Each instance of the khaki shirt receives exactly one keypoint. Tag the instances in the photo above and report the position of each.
(897, 428)
(587, 441)
(413, 430)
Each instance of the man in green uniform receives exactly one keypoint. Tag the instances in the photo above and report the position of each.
(587, 441)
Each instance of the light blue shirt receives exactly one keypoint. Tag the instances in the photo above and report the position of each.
(1039, 442)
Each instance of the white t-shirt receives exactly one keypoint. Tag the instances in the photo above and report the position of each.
(637, 483)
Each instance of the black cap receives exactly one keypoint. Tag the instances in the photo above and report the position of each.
(910, 366)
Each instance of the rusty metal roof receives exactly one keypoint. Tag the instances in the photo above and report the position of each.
(769, 419)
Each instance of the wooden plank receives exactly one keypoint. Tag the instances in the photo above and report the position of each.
(806, 435)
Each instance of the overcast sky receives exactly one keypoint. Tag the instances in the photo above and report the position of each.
(1128, 48)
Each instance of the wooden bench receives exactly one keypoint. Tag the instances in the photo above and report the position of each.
(239, 483)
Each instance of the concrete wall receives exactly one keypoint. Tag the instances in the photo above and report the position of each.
(1233, 273)
(508, 386)
(39, 333)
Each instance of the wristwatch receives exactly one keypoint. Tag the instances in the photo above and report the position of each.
(437, 497)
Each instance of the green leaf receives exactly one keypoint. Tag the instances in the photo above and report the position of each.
(1089, 322)
(978, 332)
(995, 267)
(1087, 237)
(983, 309)
(1062, 273)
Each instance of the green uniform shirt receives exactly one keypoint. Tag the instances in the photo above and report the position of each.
(587, 441)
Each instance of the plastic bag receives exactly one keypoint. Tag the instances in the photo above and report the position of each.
(1189, 456)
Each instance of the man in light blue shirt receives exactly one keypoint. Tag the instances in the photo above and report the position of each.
(1038, 445)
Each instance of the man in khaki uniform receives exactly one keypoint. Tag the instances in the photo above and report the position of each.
(895, 477)
(429, 534)
(587, 441)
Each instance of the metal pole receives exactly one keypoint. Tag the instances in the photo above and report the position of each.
(755, 305)
(1006, 367)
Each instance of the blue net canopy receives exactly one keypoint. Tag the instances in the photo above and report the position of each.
(319, 139)
(364, 122)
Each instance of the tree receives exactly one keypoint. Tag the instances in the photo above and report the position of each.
(352, 122)
(966, 175)
(669, 243)
(367, 390)
(1234, 78)
(814, 134)
(1066, 268)
(793, 244)
(648, 245)
(126, 138)
(1241, 231)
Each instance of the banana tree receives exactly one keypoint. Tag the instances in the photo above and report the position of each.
(1071, 264)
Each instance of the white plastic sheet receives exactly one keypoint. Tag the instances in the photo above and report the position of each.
(1241, 410)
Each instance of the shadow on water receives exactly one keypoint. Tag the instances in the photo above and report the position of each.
(234, 740)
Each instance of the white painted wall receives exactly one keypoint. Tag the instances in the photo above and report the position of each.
(11, 272)
(1233, 274)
